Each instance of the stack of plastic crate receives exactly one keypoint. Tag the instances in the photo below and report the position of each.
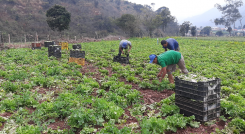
(201, 99)
(122, 60)
(48, 43)
(64, 45)
(77, 46)
(77, 56)
(54, 50)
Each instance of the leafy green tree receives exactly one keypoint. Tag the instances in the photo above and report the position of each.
(127, 23)
(185, 27)
(229, 30)
(193, 30)
(219, 33)
(230, 13)
(182, 30)
(58, 18)
(206, 30)
(165, 17)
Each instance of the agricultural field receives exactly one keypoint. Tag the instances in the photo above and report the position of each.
(41, 94)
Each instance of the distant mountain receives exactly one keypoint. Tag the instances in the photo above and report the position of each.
(206, 18)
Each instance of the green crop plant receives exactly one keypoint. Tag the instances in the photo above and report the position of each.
(9, 86)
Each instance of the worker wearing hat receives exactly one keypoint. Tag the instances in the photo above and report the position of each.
(170, 44)
(167, 60)
(124, 44)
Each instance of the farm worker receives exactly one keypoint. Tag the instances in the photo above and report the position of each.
(167, 60)
(171, 44)
(124, 45)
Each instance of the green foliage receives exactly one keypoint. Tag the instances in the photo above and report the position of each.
(169, 109)
(219, 33)
(8, 105)
(28, 129)
(58, 18)
(112, 129)
(25, 98)
(83, 89)
(238, 123)
(82, 118)
(171, 123)
(53, 71)
(2, 120)
(9, 86)
(127, 23)
(206, 30)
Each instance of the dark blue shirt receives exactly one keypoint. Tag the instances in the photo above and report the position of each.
(172, 44)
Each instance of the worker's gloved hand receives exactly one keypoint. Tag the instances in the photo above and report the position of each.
(159, 75)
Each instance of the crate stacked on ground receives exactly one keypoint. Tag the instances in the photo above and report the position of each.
(48, 43)
(54, 50)
(36, 45)
(122, 60)
(64, 45)
(77, 46)
(77, 56)
(201, 99)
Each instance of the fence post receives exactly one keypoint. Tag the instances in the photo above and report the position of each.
(9, 38)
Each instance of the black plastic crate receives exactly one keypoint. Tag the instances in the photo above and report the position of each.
(197, 97)
(48, 43)
(77, 46)
(122, 60)
(54, 50)
(202, 91)
(204, 116)
(77, 54)
(198, 105)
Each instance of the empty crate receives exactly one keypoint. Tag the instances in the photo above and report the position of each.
(36, 45)
(77, 46)
(64, 45)
(77, 54)
(54, 50)
(48, 43)
(203, 111)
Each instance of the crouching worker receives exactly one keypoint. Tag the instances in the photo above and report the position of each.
(167, 61)
(124, 45)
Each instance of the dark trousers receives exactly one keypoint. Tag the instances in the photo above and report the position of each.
(120, 52)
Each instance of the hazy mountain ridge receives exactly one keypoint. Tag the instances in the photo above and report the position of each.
(207, 18)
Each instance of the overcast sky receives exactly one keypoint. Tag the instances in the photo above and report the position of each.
(182, 9)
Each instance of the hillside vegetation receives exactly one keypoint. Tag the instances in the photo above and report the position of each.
(89, 18)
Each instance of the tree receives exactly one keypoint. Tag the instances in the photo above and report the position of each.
(185, 27)
(206, 30)
(150, 20)
(193, 30)
(127, 23)
(182, 30)
(58, 18)
(229, 30)
(219, 33)
(165, 17)
(230, 13)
